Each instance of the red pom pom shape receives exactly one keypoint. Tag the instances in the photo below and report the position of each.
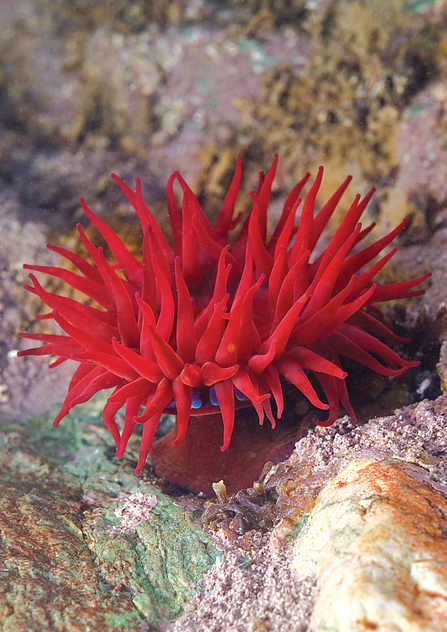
(206, 327)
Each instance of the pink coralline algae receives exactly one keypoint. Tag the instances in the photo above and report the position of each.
(204, 327)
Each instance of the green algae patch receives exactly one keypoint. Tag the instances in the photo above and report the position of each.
(49, 579)
(159, 559)
(141, 540)
(417, 6)
(126, 555)
(120, 620)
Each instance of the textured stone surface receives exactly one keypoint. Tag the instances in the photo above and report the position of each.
(26, 388)
(69, 476)
(159, 558)
(134, 88)
(421, 149)
(376, 540)
(250, 589)
(48, 579)
(415, 434)
(83, 542)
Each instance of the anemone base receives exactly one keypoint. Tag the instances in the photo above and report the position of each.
(198, 461)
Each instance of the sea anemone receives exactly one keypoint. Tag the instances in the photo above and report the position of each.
(203, 328)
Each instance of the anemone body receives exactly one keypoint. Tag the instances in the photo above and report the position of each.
(204, 327)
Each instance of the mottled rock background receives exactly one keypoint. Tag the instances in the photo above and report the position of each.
(149, 87)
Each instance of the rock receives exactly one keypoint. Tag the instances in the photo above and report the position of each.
(85, 543)
(376, 542)
(48, 579)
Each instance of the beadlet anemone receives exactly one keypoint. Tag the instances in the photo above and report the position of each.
(204, 328)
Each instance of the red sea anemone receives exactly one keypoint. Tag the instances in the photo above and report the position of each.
(204, 327)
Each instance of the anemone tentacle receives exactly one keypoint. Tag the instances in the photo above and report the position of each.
(205, 326)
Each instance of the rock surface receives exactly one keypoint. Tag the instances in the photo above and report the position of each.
(390, 521)
(143, 89)
(141, 554)
(376, 541)
(85, 542)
